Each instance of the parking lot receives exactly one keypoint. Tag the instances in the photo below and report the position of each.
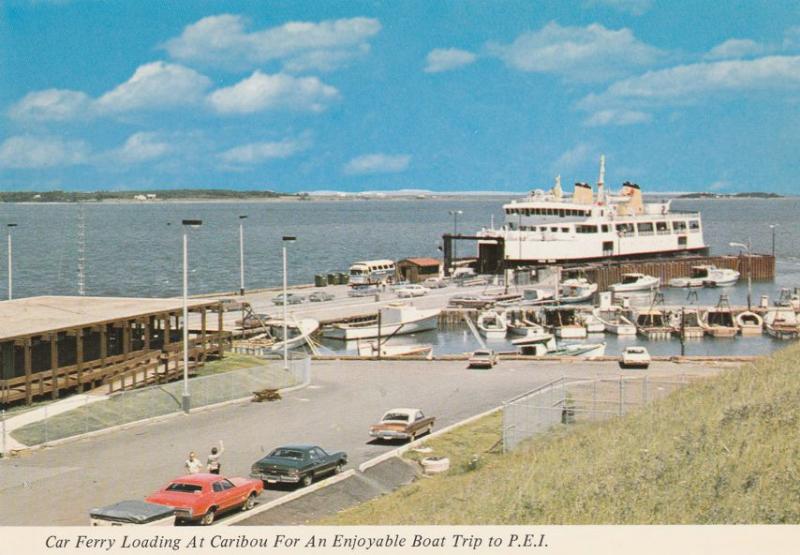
(58, 485)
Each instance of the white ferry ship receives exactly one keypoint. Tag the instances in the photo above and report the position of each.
(552, 227)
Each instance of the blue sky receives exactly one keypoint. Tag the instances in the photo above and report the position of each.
(369, 95)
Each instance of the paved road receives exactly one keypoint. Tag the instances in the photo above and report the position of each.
(57, 486)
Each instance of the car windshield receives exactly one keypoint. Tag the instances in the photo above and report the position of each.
(184, 488)
(399, 416)
(283, 453)
(481, 353)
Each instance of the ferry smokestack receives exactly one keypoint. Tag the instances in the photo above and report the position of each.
(601, 193)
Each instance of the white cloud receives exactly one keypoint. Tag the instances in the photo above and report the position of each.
(687, 83)
(573, 158)
(719, 185)
(51, 105)
(155, 85)
(261, 91)
(255, 153)
(377, 163)
(223, 40)
(617, 117)
(589, 53)
(445, 59)
(633, 7)
(30, 152)
(735, 48)
(141, 147)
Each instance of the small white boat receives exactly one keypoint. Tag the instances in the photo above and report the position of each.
(781, 323)
(563, 322)
(592, 323)
(370, 349)
(614, 320)
(707, 275)
(652, 324)
(524, 327)
(789, 298)
(720, 320)
(577, 290)
(535, 344)
(298, 332)
(688, 324)
(587, 350)
(635, 282)
(395, 319)
(492, 325)
(749, 323)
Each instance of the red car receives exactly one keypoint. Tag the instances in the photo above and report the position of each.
(201, 497)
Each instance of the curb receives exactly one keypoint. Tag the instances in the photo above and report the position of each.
(288, 497)
(150, 420)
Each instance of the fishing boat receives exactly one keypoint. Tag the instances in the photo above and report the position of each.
(563, 322)
(522, 326)
(535, 344)
(720, 320)
(553, 227)
(614, 320)
(492, 325)
(530, 297)
(706, 275)
(789, 298)
(651, 323)
(592, 323)
(577, 290)
(395, 319)
(782, 323)
(687, 324)
(635, 282)
(370, 349)
(587, 350)
(271, 340)
(749, 323)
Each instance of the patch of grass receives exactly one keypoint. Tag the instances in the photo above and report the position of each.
(722, 451)
(231, 361)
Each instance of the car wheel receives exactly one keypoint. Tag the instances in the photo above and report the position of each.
(338, 469)
(430, 429)
(414, 436)
(306, 480)
(208, 518)
(250, 502)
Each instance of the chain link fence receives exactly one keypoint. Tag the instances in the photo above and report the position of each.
(160, 400)
(569, 400)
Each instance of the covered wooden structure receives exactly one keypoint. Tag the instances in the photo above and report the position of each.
(50, 345)
(418, 269)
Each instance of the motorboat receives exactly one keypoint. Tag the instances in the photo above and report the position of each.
(687, 324)
(586, 350)
(535, 344)
(577, 290)
(707, 275)
(615, 321)
(789, 298)
(492, 325)
(530, 297)
(720, 322)
(635, 282)
(522, 326)
(592, 323)
(749, 323)
(272, 340)
(395, 319)
(652, 323)
(370, 349)
(563, 322)
(782, 323)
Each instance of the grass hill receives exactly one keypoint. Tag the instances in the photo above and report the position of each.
(722, 451)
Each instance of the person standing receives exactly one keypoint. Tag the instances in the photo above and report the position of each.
(193, 464)
(212, 463)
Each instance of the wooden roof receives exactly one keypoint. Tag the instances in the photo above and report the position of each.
(47, 314)
(422, 261)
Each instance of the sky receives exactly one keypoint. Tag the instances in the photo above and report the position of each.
(375, 96)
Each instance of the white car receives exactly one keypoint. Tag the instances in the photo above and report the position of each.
(413, 290)
(434, 283)
(635, 357)
(484, 358)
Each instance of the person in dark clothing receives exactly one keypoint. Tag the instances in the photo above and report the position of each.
(212, 463)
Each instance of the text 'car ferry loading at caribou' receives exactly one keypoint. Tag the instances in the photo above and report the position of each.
(550, 227)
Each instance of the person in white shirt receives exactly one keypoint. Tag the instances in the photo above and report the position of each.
(193, 464)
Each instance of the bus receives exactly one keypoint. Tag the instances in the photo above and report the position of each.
(372, 272)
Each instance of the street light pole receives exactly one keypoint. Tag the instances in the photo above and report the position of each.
(748, 248)
(286, 239)
(186, 400)
(241, 254)
(10, 265)
(455, 214)
(772, 227)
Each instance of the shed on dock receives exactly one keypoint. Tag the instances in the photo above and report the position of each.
(52, 344)
(416, 270)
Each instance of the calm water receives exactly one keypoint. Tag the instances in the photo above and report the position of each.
(135, 249)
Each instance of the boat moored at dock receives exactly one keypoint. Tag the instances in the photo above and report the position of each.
(635, 282)
(492, 325)
(395, 319)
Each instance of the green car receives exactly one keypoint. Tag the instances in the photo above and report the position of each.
(297, 464)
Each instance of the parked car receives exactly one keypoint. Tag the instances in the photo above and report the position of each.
(320, 297)
(484, 358)
(635, 357)
(291, 298)
(201, 497)
(413, 290)
(132, 513)
(253, 320)
(229, 305)
(469, 301)
(434, 283)
(402, 424)
(297, 464)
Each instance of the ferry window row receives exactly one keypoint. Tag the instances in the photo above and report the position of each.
(560, 212)
(628, 228)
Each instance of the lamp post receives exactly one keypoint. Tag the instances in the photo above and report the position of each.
(772, 227)
(455, 214)
(9, 227)
(241, 254)
(186, 400)
(286, 240)
(749, 268)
